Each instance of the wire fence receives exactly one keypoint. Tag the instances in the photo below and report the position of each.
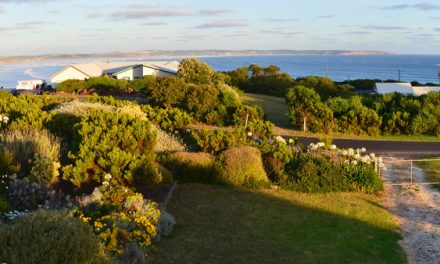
(417, 171)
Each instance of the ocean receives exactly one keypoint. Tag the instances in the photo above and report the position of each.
(421, 68)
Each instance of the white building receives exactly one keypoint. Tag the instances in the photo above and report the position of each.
(129, 70)
(30, 85)
(405, 88)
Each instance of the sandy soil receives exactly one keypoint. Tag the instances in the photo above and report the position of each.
(417, 211)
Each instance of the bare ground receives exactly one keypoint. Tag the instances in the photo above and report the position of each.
(417, 211)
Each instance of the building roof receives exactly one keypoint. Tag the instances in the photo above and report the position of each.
(420, 90)
(100, 68)
(403, 88)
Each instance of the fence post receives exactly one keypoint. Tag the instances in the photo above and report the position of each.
(411, 171)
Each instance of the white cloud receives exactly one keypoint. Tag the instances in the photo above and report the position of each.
(224, 24)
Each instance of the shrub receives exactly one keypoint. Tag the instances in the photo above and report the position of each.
(44, 170)
(24, 145)
(50, 237)
(313, 173)
(195, 71)
(243, 167)
(305, 104)
(108, 142)
(167, 119)
(214, 141)
(133, 222)
(201, 99)
(166, 91)
(147, 172)
(70, 86)
(229, 97)
(191, 166)
(4, 205)
(168, 142)
(166, 224)
(363, 177)
(24, 194)
(5, 94)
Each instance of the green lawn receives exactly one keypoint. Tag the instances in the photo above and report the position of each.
(274, 107)
(276, 110)
(223, 225)
(432, 169)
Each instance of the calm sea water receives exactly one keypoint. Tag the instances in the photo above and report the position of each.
(412, 67)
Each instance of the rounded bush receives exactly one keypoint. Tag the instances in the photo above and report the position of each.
(363, 177)
(192, 166)
(50, 237)
(243, 166)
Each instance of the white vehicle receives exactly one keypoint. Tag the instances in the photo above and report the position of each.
(31, 85)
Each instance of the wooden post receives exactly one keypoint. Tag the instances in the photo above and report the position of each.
(411, 171)
(246, 122)
(305, 124)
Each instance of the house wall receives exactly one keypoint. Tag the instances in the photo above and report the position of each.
(128, 74)
(69, 73)
(154, 72)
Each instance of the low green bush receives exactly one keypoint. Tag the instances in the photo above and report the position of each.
(215, 141)
(5, 94)
(243, 167)
(70, 86)
(315, 173)
(363, 177)
(191, 166)
(50, 237)
(110, 142)
(167, 119)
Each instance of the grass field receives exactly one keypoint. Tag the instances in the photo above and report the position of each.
(223, 225)
(276, 110)
(274, 107)
(432, 169)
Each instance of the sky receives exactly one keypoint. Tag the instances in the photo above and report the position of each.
(34, 27)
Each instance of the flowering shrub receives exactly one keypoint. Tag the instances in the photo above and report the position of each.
(131, 220)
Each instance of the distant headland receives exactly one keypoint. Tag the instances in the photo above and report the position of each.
(188, 53)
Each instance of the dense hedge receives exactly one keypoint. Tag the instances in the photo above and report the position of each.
(108, 142)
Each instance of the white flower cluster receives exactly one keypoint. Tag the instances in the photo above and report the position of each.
(280, 139)
(107, 179)
(12, 215)
(354, 156)
(316, 146)
(4, 119)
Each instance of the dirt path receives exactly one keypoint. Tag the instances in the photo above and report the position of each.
(417, 211)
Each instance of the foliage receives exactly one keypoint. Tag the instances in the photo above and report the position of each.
(50, 237)
(314, 173)
(166, 91)
(201, 99)
(70, 86)
(166, 224)
(352, 117)
(5, 94)
(44, 170)
(24, 194)
(167, 142)
(108, 142)
(215, 141)
(363, 177)
(131, 224)
(195, 71)
(167, 119)
(256, 79)
(325, 87)
(243, 167)
(191, 166)
(20, 146)
(305, 104)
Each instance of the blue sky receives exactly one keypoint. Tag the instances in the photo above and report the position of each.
(29, 27)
